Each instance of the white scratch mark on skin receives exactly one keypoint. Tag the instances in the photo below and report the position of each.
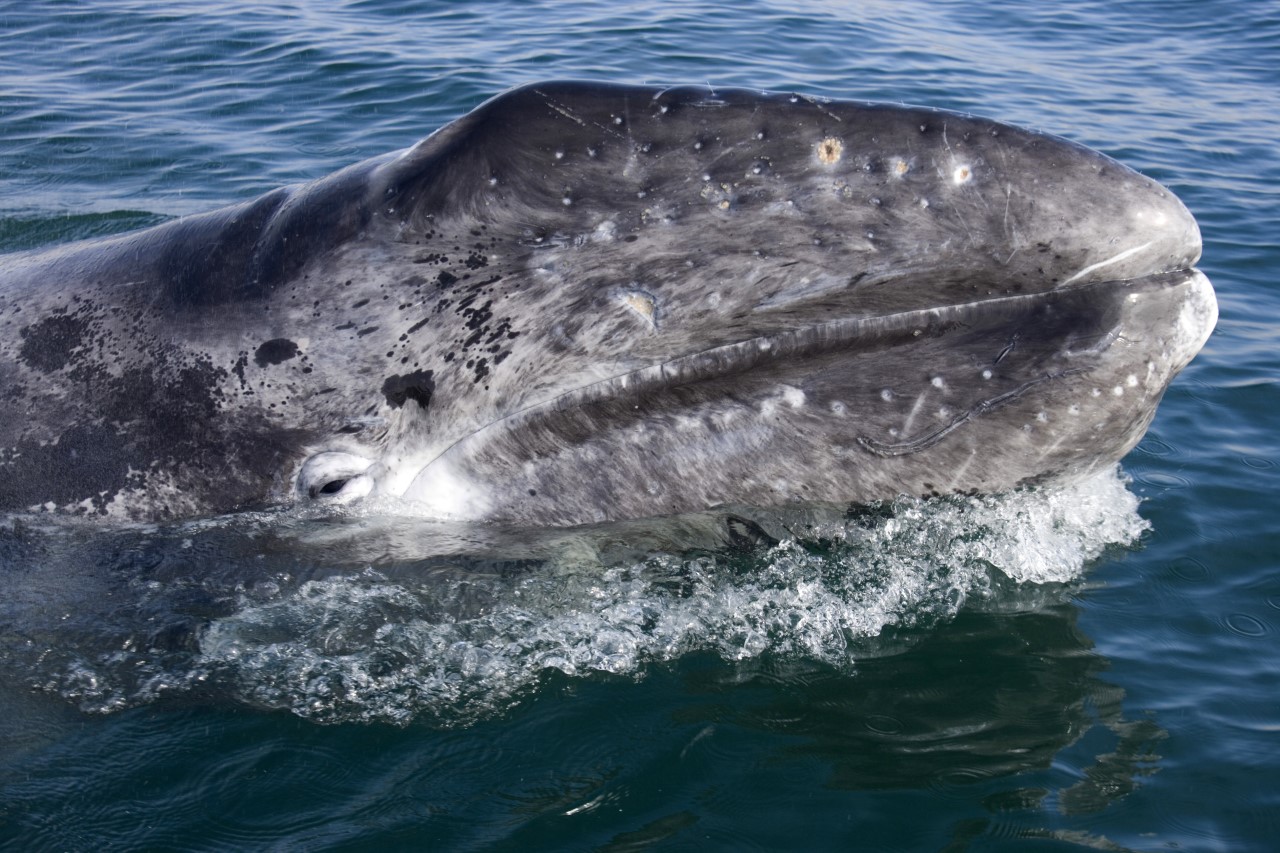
(1052, 448)
(911, 416)
(1112, 260)
(569, 114)
(564, 111)
(815, 102)
(1011, 236)
(960, 472)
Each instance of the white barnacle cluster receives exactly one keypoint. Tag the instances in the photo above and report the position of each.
(605, 232)
(663, 214)
(789, 397)
(719, 195)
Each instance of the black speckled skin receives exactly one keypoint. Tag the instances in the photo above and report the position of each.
(585, 302)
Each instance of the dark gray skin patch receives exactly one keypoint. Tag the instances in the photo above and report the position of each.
(275, 351)
(417, 386)
(51, 343)
(151, 418)
(87, 460)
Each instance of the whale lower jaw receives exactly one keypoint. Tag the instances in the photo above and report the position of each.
(982, 396)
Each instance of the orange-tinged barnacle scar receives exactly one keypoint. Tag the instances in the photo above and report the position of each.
(830, 150)
(643, 304)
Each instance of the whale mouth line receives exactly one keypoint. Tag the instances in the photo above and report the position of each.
(810, 342)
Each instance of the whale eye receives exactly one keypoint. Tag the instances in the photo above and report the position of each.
(330, 488)
(334, 474)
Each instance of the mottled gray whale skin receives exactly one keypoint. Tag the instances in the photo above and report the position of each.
(586, 302)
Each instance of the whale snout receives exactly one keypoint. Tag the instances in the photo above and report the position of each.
(1115, 224)
(1174, 229)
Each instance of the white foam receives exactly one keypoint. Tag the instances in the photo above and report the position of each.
(454, 639)
(369, 647)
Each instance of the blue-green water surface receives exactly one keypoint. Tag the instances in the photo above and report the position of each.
(1095, 669)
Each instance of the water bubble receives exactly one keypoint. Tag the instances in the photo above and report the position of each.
(883, 725)
(1189, 568)
(1246, 625)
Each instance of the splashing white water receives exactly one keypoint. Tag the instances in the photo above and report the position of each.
(454, 646)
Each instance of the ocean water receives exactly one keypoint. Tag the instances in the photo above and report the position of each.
(1089, 668)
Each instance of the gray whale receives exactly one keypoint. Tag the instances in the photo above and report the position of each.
(585, 302)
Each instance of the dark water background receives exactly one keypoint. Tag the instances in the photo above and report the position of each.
(1028, 672)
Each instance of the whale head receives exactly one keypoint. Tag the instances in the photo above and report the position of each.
(585, 302)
